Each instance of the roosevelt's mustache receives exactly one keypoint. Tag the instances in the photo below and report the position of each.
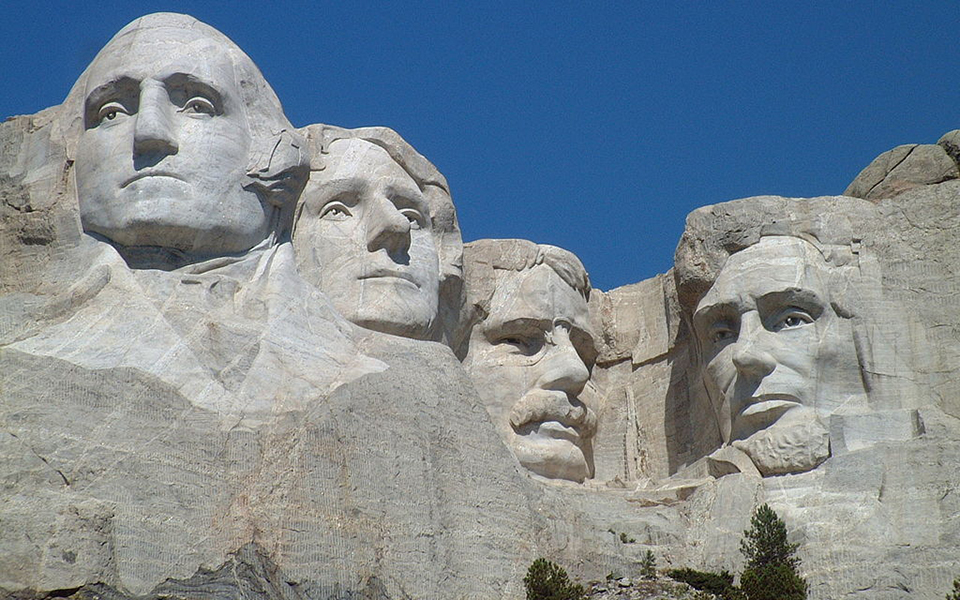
(538, 406)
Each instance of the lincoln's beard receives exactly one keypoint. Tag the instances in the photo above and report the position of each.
(792, 448)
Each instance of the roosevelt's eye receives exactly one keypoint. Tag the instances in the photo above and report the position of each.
(198, 105)
(110, 111)
(414, 216)
(791, 319)
(722, 334)
(335, 211)
(525, 344)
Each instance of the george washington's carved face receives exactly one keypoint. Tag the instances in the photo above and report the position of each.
(163, 157)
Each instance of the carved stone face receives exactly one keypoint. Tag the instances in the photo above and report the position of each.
(163, 156)
(530, 361)
(776, 353)
(364, 237)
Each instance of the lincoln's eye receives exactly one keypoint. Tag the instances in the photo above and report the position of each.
(792, 318)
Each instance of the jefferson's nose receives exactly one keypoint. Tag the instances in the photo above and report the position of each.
(750, 354)
(564, 370)
(387, 228)
(153, 133)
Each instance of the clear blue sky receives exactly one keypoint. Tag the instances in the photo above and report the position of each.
(592, 126)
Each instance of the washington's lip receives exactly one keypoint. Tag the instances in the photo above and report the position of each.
(148, 174)
(387, 273)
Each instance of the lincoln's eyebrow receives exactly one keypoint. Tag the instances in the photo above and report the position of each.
(802, 298)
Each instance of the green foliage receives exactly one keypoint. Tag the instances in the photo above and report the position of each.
(955, 595)
(773, 582)
(718, 584)
(771, 569)
(765, 543)
(625, 540)
(546, 580)
(648, 565)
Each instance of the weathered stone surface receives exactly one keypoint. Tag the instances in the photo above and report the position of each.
(903, 168)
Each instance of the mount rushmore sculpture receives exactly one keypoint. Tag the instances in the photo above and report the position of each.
(245, 359)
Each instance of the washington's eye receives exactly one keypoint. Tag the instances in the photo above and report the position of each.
(792, 319)
(110, 111)
(335, 211)
(198, 105)
(414, 216)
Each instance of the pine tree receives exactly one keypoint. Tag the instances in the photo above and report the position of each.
(765, 543)
(546, 580)
(771, 569)
(648, 565)
(955, 595)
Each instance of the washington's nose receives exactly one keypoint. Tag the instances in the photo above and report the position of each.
(388, 228)
(563, 368)
(153, 133)
(750, 354)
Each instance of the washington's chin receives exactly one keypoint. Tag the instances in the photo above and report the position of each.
(552, 458)
(177, 220)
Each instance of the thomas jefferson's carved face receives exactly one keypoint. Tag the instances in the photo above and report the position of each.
(365, 238)
(163, 156)
(775, 351)
(530, 360)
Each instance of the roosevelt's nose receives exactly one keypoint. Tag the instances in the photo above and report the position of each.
(387, 228)
(154, 132)
(563, 369)
(751, 354)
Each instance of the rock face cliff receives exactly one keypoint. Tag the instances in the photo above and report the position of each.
(187, 420)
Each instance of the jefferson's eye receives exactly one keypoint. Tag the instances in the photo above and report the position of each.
(792, 319)
(110, 111)
(198, 105)
(414, 216)
(335, 211)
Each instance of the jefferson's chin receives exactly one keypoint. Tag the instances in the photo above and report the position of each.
(783, 448)
(552, 458)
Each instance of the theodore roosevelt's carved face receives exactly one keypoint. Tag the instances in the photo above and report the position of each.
(530, 360)
(365, 237)
(163, 156)
(776, 354)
